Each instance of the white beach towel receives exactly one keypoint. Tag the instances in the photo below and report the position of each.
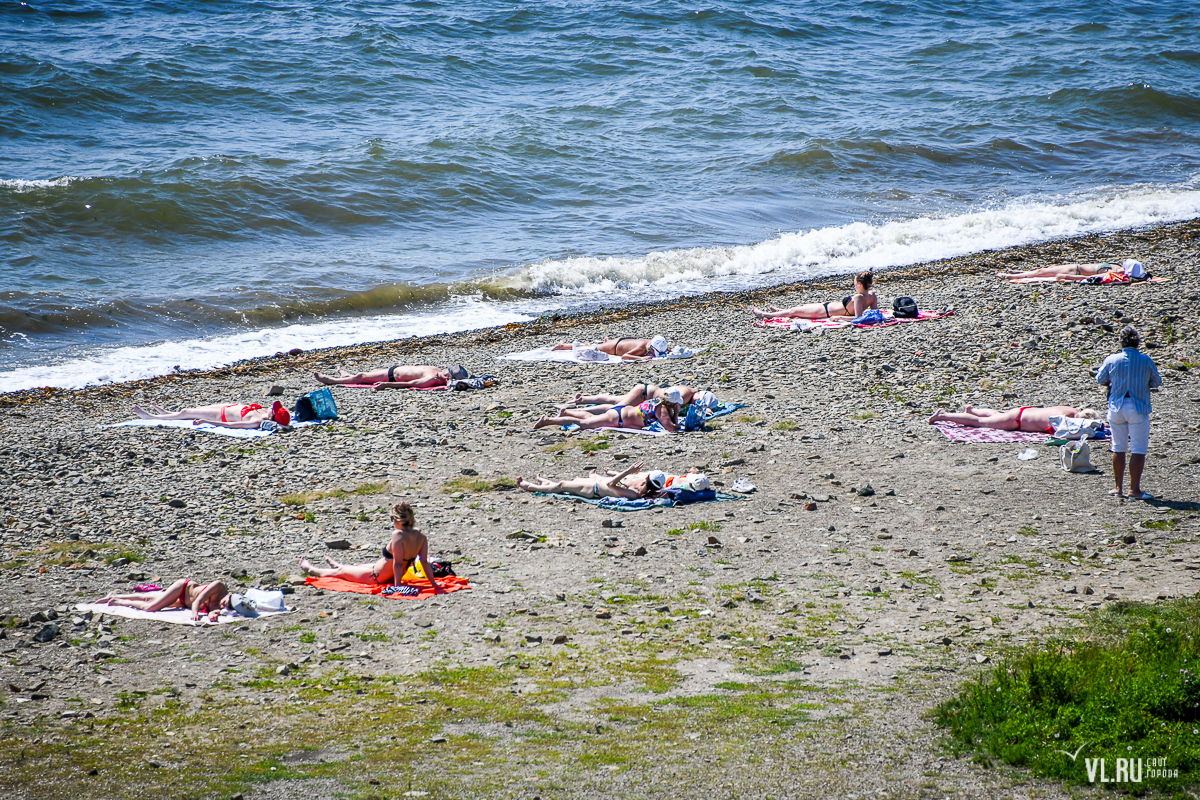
(175, 616)
(585, 355)
(205, 427)
(562, 356)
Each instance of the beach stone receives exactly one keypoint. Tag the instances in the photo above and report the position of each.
(865, 491)
(47, 633)
(338, 544)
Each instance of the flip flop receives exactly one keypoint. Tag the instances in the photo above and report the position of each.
(1142, 496)
(1115, 493)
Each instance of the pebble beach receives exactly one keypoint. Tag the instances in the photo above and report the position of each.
(877, 566)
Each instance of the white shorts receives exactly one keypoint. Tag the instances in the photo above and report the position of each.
(1130, 430)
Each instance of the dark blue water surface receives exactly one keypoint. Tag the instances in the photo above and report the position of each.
(175, 171)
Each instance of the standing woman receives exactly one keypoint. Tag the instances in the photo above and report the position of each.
(406, 545)
(1129, 376)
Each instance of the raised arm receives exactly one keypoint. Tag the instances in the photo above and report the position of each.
(425, 565)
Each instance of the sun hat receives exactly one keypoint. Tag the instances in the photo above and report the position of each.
(280, 414)
(659, 344)
(1133, 269)
(243, 606)
(458, 372)
(656, 478)
(674, 397)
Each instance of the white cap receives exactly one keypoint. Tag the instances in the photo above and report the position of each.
(673, 396)
(1134, 269)
(656, 478)
(659, 343)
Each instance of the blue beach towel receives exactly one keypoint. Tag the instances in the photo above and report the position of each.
(642, 504)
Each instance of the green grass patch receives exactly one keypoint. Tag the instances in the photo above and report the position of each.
(786, 425)
(864, 415)
(466, 484)
(304, 498)
(1028, 530)
(1127, 686)
(1160, 524)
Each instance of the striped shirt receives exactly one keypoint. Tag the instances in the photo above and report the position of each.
(1129, 373)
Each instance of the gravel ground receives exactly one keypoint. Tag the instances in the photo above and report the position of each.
(893, 561)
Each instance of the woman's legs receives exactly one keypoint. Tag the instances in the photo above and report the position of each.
(607, 418)
(374, 376)
(807, 311)
(150, 601)
(1004, 420)
(539, 484)
(378, 572)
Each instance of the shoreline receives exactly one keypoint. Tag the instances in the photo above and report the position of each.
(1086, 248)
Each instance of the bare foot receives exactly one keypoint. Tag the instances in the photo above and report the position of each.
(543, 422)
(759, 313)
(307, 566)
(329, 560)
(937, 416)
(523, 484)
(325, 379)
(142, 414)
(578, 398)
(1116, 493)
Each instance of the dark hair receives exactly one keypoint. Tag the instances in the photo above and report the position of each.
(865, 278)
(403, 513)
(1130, 337)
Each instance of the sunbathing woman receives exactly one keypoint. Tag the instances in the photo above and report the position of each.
(1031, 419)
(627, 348)
(401, 376)
(406, 545)
(225, 415)
(638, 394)
(1079, 272)
(849, 307)
(664, 410)
(594, 486)
(208, 599)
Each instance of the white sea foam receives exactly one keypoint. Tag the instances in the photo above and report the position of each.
(132, 363)
(596, 281)
(857, 246)
(20, 185)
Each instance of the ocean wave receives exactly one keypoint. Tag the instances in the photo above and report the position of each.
(117, 364)
(847, 248)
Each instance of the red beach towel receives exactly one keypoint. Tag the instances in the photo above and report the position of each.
(449, 584)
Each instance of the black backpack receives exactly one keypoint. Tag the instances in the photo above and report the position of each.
(905, 308)
(442, 569)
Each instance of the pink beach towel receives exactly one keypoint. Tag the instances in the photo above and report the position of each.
(889, 317)
(961, 433)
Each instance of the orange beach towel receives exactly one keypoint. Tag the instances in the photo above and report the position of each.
(451, 583)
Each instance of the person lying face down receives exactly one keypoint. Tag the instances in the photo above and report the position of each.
(626, 347)
(232, 415)
(593, 485)
(664, 410)
(848, 307)
(406, 544)
(401, 376)
(208, 599)
(1031, 419)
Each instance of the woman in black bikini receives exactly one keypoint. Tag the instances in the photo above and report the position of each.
(626, 347)
(849, 307)
(406, 545)
(595, 485)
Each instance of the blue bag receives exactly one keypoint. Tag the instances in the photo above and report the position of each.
(316, 405)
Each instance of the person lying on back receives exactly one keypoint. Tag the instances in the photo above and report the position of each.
(401, 376)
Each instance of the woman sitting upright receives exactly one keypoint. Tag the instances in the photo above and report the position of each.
(849, 307)
(405, 546)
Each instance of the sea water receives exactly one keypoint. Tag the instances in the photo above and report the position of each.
(188, 184)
